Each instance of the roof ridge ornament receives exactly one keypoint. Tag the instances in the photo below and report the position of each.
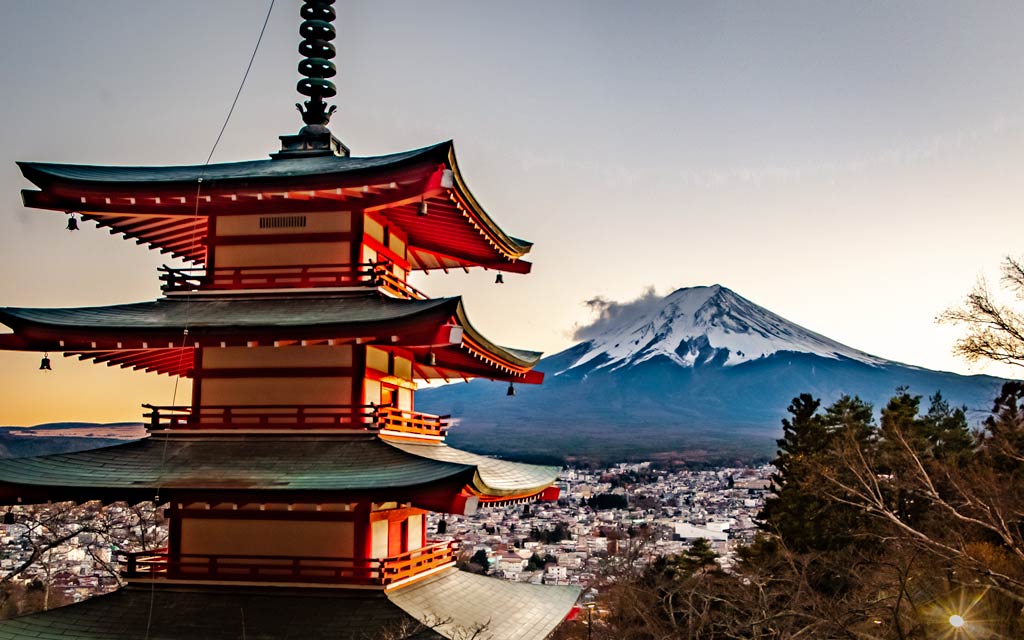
(315, 138)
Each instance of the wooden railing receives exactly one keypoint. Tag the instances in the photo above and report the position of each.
(372, 274)
(341, 417)
(262, 417)
(159, 564)
(272, 568)
(417, 561)
(411, 422)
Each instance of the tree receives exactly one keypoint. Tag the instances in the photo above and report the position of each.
(797, 512)
(43, 529)
(480, 559)
(535, 563)
(995, 331)
(922, 520)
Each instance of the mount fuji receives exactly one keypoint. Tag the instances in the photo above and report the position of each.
(702, 374)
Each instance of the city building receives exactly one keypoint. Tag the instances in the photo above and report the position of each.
(298, 476)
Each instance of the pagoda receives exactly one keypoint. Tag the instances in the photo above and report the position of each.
(297, 480)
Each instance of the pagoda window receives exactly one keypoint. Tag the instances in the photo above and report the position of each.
(372, 392)
(405, 399)
(282, 222)
(379, 538)
(374, 229)
(402, 368)
(278, 225)
(378, 360)
(415, 526)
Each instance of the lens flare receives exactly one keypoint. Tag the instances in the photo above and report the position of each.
(956, 621)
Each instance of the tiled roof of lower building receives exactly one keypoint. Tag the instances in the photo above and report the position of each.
(499, 610)
(219, 613)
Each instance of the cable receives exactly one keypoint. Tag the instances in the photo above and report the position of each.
(188, 296)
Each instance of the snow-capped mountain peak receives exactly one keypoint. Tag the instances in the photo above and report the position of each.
(697, 326)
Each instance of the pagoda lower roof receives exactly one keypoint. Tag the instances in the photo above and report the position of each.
(147, 329)
(167, 207)
(262, 467)
(452, 604)
(190, 612)
(234, 313)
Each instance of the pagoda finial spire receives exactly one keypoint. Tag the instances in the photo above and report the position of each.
(317, 32)
(316, 68)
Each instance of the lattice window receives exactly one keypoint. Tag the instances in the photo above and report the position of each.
(282, 222)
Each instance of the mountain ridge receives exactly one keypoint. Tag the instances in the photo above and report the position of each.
(702, 372)
(695, 323)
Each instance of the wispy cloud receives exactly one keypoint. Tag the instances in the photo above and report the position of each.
(609, 313)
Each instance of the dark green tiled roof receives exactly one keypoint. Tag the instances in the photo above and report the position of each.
(261, 463)
(503, 610)
(218, 613)
(263, 170)
(240, 463)
(231, 312)
(277, 317)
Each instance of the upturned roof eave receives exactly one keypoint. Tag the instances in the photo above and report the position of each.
(62, 185)
(518, 357)
(273, 172)
(513, 246)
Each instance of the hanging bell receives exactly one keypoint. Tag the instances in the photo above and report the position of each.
(499, 279)
(447, 179)
(9, 517)
(511, 390)
(423, 208)
(72, 223)
(44, 364)
(431, 358)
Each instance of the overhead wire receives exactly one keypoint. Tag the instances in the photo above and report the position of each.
(188, 296)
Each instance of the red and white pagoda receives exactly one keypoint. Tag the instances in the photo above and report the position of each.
(298, 479)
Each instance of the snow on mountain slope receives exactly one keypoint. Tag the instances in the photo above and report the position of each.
(705, 325)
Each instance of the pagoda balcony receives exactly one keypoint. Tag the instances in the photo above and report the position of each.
(375, 275)
(160, 565)
(386, 420)
(391, 420)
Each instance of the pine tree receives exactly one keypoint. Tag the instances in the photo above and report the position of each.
(799, 513)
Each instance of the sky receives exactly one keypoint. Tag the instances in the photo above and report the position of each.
(853, 166)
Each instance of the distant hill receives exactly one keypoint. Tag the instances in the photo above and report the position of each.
(703, 373)
(65, 437)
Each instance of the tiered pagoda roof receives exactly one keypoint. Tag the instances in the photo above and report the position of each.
(148, 335)
(252, 468)
(158, 205)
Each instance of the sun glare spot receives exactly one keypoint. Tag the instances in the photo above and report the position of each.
(956, 621)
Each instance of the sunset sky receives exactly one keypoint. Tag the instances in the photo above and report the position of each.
(852, 166)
